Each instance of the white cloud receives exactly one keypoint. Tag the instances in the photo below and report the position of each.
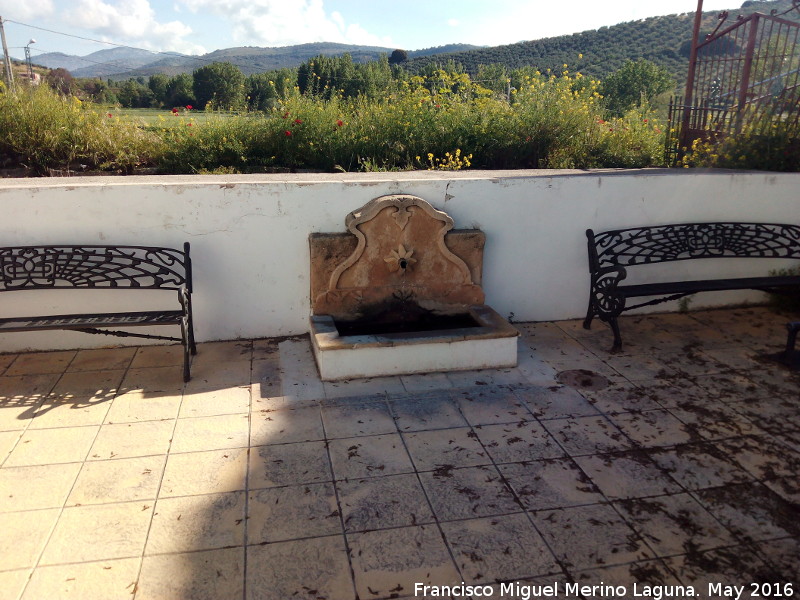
(453, 22)
(27, 10)
(131, 22)
(282, 22)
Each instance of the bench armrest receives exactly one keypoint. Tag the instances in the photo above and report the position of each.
(605, 299)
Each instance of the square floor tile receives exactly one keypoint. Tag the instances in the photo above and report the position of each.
(292, 512)
(421, 414)
(301, 569)
(627, 475)
(468, 493)
(652, 573)
(352, 420)
(764, 457)
(503, 548)
(211, 472)
(52, 446)
(158, 356)
(752, 511)
(35, 363)
(486, 405)
(32, 488)
(675, 524)
(102, 359)
(202, 522)
(100, 532)
(445, 448)
(587, 435)
(655, 428)
(140, 406)
(24, 535)
(714, 420)
(128, 440)
(20, 396)
(122, 480)
(389, 563)
(104, 580)
(700, 465)
(586, 537)
(518, 442)
(211, 433)
(207, 575)
(555, 402)
(223, 401)
(153, 381)
(370, 456)
(618, 399)
(12, 583)
(288, 464)
(383, 502)
(286, 426)
(547, 484)
(734, 565)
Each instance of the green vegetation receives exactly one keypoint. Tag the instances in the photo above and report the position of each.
(444, 121)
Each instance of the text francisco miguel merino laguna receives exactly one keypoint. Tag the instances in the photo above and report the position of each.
(525, 591)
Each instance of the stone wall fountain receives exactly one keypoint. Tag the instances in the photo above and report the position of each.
(400, 293)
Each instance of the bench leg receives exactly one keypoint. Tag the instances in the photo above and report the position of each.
(617, 347)
(587, 322)
(188, 343)
(793, 328)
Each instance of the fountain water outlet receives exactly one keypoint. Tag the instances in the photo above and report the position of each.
(400, 293)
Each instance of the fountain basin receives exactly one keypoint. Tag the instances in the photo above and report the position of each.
(491, 342)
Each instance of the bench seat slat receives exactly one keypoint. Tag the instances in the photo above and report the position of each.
(708, 285)
(78, 321)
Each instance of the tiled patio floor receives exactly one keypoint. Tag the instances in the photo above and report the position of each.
(256, 480)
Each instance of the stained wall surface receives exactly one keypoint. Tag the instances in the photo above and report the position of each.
(250, 235)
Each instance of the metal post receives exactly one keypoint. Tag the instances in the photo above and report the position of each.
(28, 59)
(748, 65)
(687, 97)
(6, 58)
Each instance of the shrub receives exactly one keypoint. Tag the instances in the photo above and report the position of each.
(42, 130)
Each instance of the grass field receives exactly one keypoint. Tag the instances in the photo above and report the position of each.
(163, 117)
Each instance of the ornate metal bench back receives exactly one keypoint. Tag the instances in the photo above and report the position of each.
(642, 245)
(36, 267)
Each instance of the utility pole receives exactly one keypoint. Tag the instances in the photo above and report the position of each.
(6, 58)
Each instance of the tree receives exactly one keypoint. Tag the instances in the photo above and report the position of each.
(220, 85)
(133, 94)
(397, 57)
(179, 91)
(635, 84)
(158, 84)
(60, 80)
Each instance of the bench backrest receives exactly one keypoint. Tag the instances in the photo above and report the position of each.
(38, 267)
(663, 243)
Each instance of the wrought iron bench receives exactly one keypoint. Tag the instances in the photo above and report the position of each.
(611, 253)
(103, 267)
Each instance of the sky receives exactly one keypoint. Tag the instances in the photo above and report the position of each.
(200, 26)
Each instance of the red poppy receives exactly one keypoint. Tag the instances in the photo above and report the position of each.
(110, 115)
(188, 107)
(645, 120)
(286, 115)
(288, 133)
(174, 111)
(188, 124)
(339, 123)
(298, 121)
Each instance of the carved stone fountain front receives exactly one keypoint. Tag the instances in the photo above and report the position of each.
(400, 293)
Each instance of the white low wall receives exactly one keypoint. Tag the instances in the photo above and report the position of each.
(249, 234)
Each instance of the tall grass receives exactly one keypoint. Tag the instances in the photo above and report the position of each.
(41, 130)
(445, 122)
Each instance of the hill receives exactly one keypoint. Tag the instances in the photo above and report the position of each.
(98, 64)
(123, 63)
(664, 40)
